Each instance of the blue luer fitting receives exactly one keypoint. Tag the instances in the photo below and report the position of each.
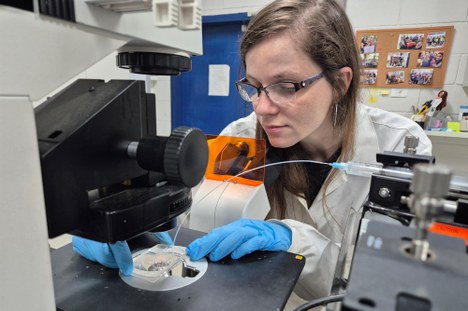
(338, 165)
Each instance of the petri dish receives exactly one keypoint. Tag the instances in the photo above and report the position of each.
(158, 262)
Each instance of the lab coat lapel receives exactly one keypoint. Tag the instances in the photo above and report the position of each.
(346, 192)
(366, 147)
(339, 180)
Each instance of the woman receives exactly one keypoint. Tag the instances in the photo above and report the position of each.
(301, 75)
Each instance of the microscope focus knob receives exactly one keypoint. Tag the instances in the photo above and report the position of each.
(186, 156)
(182, 157)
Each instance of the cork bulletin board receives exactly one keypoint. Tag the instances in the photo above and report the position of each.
(405, 57)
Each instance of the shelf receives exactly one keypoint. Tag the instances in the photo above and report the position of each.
(447, 134)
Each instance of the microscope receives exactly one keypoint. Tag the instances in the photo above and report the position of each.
(88, 161)
(116, 178)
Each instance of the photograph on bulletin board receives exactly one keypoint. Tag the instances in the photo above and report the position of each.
(404, 58)
(370, 60)
(436, 40)
(431, 59)
(368, 76)
(395, 77)
(398, 60)
(410, 41)
(368, 44)
(421, 76)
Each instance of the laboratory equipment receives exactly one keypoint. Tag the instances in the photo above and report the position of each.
(97, 146)
(92, 158)
(411, 236)
(164, 268)
(367, 169)
(429, 188)
(261, 280)
(403, 268)
(386, 262)
(233, 186)
(46, 44)
(157, 262)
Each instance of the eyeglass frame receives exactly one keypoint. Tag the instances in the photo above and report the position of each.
(297, 86)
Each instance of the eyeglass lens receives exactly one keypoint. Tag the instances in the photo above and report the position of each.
(279, 93)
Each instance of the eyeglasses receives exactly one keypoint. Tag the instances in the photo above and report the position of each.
(280, 93)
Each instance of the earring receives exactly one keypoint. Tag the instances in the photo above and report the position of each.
(335, 116)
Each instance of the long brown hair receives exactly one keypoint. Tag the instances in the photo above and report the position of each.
(322, 30)
(442, 94)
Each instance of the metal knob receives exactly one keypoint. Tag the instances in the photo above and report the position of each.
(410, 144)
(431, 180)
(182, 157)
(429, 186)
(384, 192)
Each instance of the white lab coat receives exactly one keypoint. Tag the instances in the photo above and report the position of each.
(377, 131)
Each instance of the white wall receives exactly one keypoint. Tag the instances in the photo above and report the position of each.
(380, 14)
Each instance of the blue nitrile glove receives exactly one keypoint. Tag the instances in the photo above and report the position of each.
(114, 256)
(164, 237)
(240, 238)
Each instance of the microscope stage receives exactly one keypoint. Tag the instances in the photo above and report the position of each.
(259, 281)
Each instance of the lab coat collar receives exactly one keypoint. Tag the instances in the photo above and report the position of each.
(366, 148)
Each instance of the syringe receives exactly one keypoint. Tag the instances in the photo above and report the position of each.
(457, 183)
(367, 169)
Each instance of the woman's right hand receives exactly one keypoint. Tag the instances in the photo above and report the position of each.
(113, 256)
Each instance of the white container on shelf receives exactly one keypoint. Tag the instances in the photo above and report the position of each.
(463, 117)
(461, 111)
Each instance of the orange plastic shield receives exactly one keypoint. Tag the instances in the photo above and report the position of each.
(236, 159)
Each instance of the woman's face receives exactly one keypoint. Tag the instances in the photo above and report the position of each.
(308, 118)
